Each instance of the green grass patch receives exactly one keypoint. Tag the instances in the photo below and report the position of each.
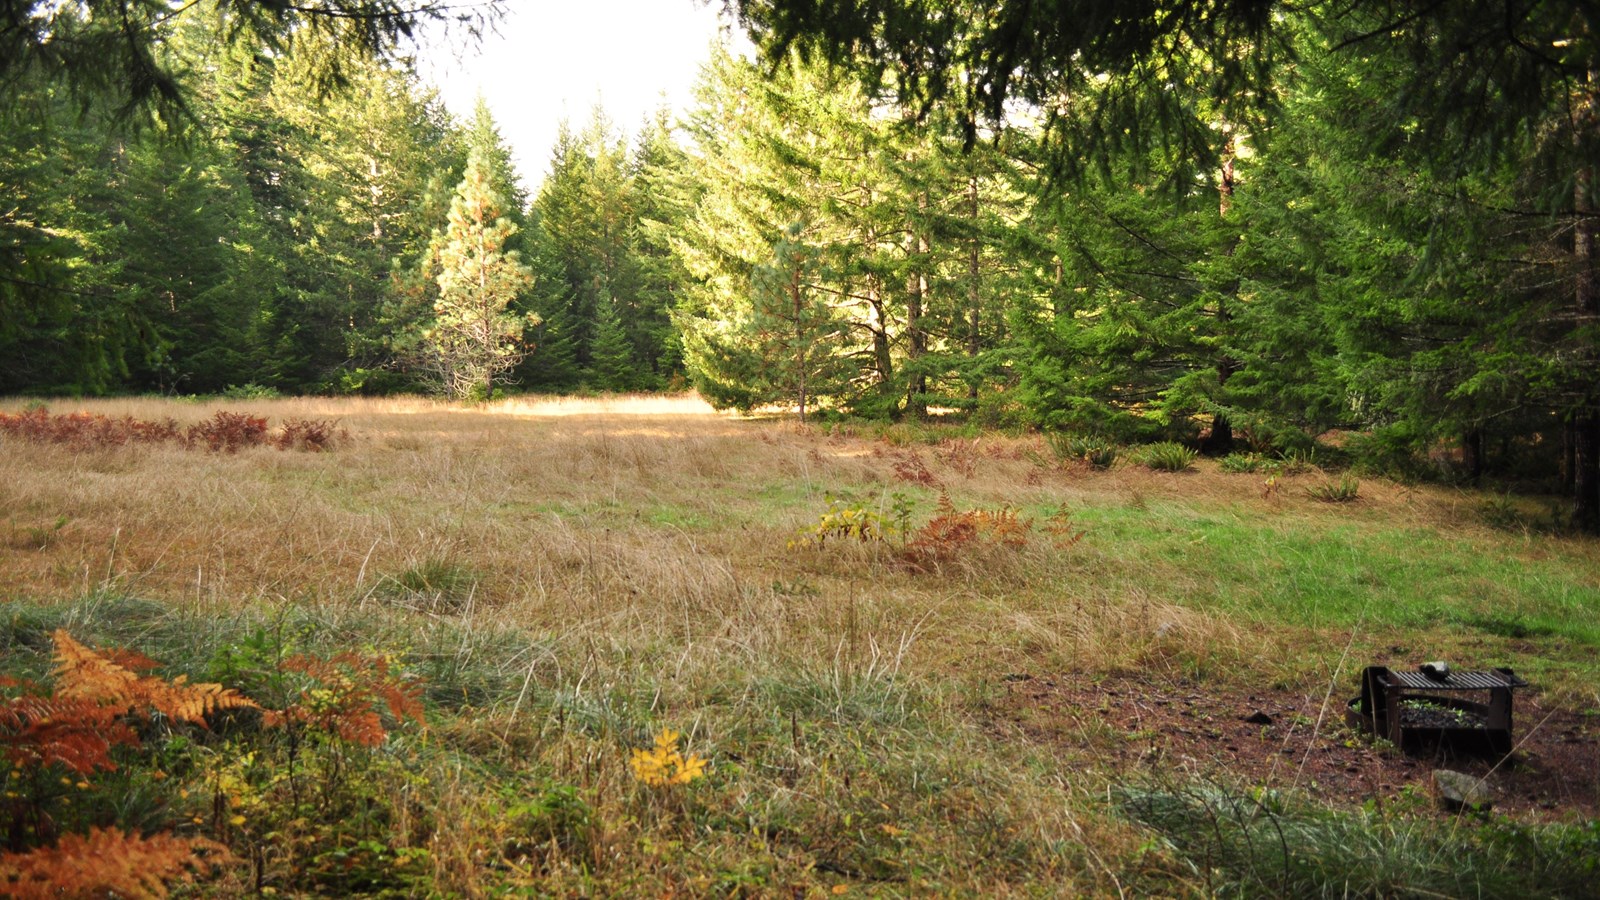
(1339, 576)
(1262, 844)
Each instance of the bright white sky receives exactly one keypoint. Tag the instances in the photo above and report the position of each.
(555, 59)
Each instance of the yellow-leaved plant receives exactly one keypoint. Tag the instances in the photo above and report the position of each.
(663, 765)
(846, 522)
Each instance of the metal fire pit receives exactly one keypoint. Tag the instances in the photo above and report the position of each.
(1465, 711)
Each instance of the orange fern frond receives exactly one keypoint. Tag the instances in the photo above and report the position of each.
(132, 660)
(84, 674)
(107, 862)
(77, 733)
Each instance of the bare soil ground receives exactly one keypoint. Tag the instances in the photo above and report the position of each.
(1281, 738)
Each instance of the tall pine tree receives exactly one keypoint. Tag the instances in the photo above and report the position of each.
(475, 335)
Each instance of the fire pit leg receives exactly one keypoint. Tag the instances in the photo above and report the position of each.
(1391, 706)
(1499, 719)
(1374, 701)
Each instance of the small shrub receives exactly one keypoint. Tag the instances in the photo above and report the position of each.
(910, 467)
(550, 814)
(1100, 456)
(85, 430)
(224, 431)
(1396, 452)
(107, 862)
(1505, 514)
(110, 773)
(902, 434)
(69, 736)
(1297, 462)
(663, 766)
(846, 522)
(1060, 527)
(1060, 444)
(341, 696)
(1168, 456)
(960, 455)
(436, 584)
(227, 432)
(1501, 513)
(1346, 489)
(251, 391)
(312, 435)
(37, 537)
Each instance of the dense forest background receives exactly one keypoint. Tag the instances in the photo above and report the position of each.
(1162, 249)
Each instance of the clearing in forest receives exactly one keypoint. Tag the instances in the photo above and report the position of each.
(664, 649)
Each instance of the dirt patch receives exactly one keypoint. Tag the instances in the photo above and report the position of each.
(1285, 739)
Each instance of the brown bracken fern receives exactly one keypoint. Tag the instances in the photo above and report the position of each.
(83, 674)
(36, 732)
(99, 698)
(96, 696)
(107, 863)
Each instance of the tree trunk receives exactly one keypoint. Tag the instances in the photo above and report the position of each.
(483, 303)
(1586, 421)
(1220, 443)
(1586, 472)
(974, 312)
(916, 333)
(800, 343)
(882, 355)
(1472, 454)
(375, 191)
(1569, 455)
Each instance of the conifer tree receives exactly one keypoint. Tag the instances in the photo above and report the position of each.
(796, 331)
(610, 355)
(662, 191)
(553, 364)
(474, 335)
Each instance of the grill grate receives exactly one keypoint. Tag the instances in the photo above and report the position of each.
(1456, 681)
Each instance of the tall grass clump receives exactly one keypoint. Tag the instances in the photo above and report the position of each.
(1098, 453)
(1259, 843)
(437, 584)
(1168, 456)
(1345, 490)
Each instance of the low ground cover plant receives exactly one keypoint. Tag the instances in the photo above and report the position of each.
(949, 536)
(1253, 842)
(86, 429)
(224, 431)
(1238, 463)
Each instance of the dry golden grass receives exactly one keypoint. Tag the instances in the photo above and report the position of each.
(614, 561)
(645, 520)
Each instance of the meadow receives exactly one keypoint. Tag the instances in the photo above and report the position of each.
(913, 658)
